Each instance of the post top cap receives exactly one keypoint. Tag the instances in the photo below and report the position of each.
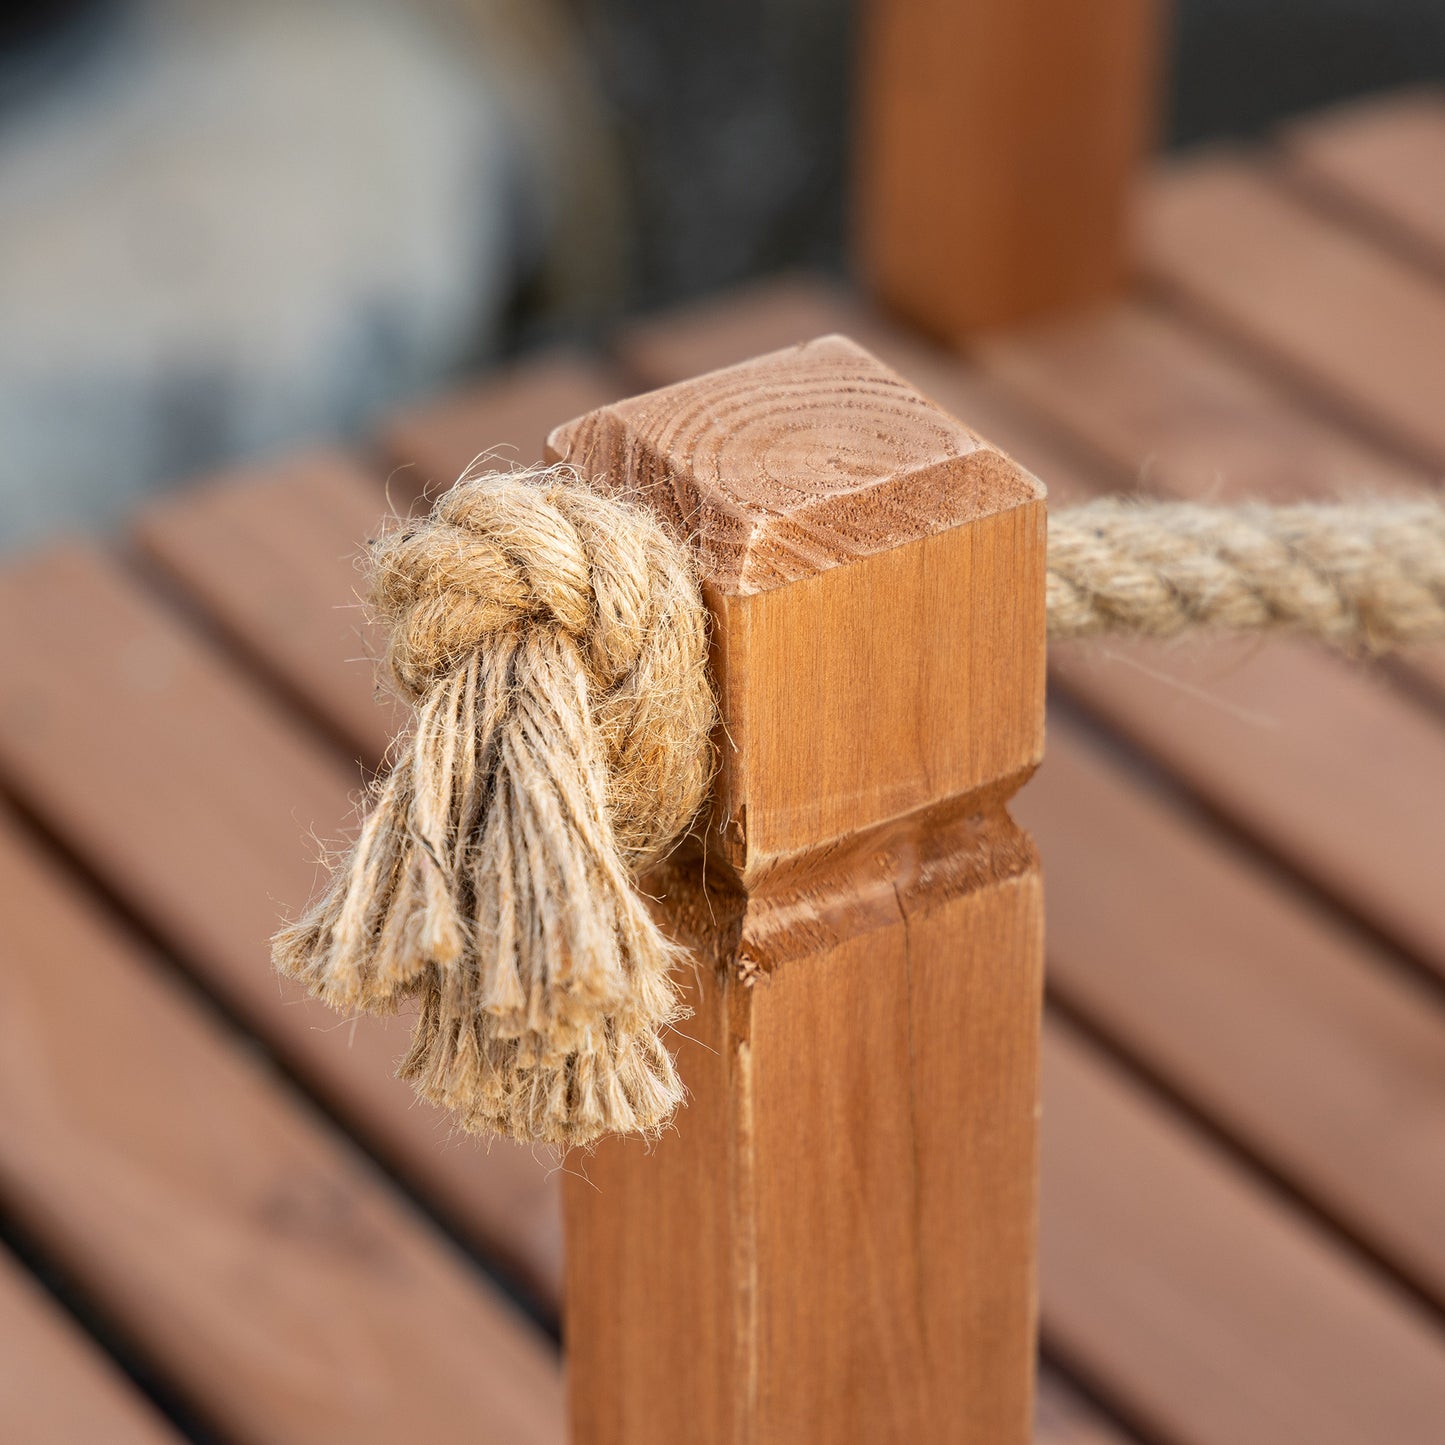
(795, 462)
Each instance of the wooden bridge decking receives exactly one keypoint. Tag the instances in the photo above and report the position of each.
(1243, 1234)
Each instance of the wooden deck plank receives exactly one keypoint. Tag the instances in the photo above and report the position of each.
(264, 1267)
(274, 556)
(190, 795)
(55, 1385)
(1334, 312)
(505, 415)
(1276, 737)
(1174, 412)
(1198, 1303)
(1289, 1033)
(1381, 161)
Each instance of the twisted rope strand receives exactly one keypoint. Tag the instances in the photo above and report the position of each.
(553, 643)
(1366, 575)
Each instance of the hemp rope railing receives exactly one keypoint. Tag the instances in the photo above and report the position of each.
(553, 642)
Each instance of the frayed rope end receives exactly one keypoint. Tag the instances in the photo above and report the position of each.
(554, 644)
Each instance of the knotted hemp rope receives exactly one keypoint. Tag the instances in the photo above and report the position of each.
(553, 642)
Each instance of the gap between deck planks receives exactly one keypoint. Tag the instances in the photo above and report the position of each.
(1340, 316)
(264, 1268)
(1334, 1324)
(1063, 1417)
(1379, 163)
(1208, 1310)
(55, 1385)
(190, 796)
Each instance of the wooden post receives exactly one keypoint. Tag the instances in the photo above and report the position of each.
(997, 142)
(837, 1242)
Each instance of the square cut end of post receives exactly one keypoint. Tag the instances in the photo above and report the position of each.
(795, 462)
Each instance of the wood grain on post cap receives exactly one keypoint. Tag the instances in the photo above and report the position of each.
(792, 463)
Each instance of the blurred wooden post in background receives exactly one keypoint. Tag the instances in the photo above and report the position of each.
(837, 1242)
(997, 142)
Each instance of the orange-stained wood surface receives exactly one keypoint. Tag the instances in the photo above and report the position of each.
(277, 556)
(837, 1241)
(1198, 1299)
(997, 146)
(783, 470)
(284, 1285)
(54, 1383)
(1345, 320)
(192, 796)
(1380, 163)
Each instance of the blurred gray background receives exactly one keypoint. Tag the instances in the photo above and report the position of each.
(228, 225)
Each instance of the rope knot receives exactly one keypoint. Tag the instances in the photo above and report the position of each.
(505, 552)
(553, 643)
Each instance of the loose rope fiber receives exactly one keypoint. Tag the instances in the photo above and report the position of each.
(553, 642)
